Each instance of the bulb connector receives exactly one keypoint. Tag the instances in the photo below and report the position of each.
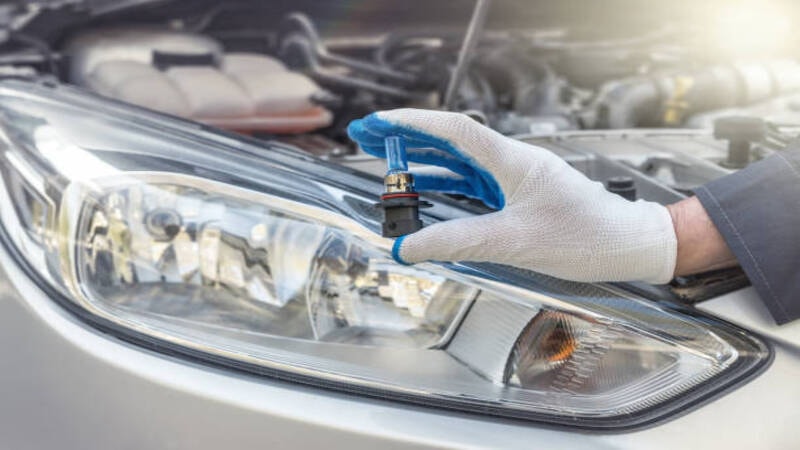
(400, 202)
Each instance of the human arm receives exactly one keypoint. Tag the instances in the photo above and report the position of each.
(550, 217)
(757, 213)
(700, 245)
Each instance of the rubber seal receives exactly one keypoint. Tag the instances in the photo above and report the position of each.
(401, 195)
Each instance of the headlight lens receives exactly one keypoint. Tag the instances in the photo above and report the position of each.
(199, 253)
(157, 230)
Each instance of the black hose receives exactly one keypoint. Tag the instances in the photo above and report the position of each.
(41, 46)
(296, 51)
(299, 24)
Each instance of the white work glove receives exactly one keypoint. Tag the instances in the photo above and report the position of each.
(551, 218)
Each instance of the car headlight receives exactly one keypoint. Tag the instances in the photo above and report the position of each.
(175, 237)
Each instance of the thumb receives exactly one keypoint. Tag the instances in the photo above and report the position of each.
(456, 133)
(466, 239)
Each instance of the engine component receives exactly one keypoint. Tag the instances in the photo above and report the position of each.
(622, 186)
(190, 76)
(515, 92)
(517, 82)
(302, 49)
(739, 132)
(696, 288)
(664, 165)
(673, 98)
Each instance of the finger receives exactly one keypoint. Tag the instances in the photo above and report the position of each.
(467, 239)
(453, 132)
(360, 133)
(482, 149)
(472, 185)
(427, 156)
(417, 152)
(437, 179)
(359, 130)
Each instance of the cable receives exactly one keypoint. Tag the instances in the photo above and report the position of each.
(41, 46)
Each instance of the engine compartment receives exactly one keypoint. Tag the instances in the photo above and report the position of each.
(655, 112)
(300, 76)
(291, 79)
(240, 64)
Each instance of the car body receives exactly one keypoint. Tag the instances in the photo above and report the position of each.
(67, 385)
(76, 375)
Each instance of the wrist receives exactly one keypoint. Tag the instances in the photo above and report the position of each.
(700, 245)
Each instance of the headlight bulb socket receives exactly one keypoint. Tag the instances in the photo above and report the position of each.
(400, 202)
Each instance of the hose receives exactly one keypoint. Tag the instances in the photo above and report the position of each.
(667, 99)
(40, 45)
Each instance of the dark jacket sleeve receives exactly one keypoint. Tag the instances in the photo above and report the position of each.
(757, 211)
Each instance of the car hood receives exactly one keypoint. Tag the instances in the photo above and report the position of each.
(745, 308)
(50, 19)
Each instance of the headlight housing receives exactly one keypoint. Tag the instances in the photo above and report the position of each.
(174, 236)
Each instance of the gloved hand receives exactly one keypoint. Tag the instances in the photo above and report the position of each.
(551, 218)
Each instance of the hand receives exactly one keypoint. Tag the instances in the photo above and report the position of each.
(551, 218)
(700, 245)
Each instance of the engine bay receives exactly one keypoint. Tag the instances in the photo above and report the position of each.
(516, 83)
(651, 116)
(279, 71)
